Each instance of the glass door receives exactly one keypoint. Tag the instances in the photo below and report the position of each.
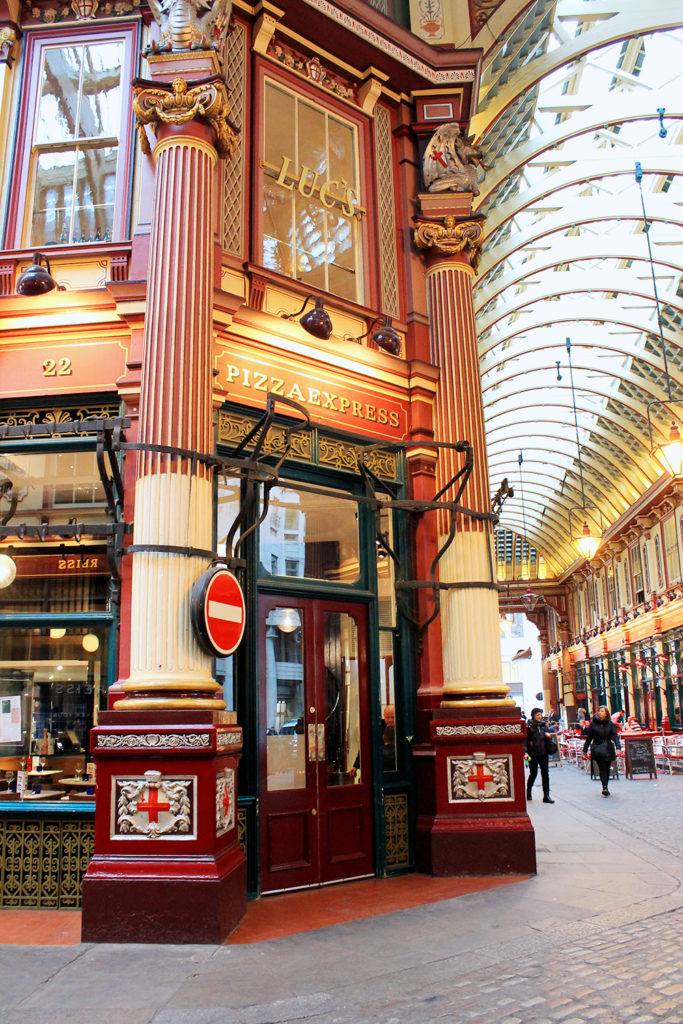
(316, 792)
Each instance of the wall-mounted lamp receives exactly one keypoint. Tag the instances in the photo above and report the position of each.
(316, 322)
(8, 571)
(36, 279)
(383, 334)
(57, 632)
(587, 540)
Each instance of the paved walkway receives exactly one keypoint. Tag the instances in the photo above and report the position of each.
(594, 937)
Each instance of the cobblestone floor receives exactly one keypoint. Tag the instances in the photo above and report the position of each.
(595, 938)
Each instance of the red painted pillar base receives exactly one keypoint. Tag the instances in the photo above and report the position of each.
(167, 865)
(472, 819)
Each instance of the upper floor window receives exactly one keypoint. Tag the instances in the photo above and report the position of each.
(646, 569)
(672, 558)
(312, 212)
(658, 563)
(76, 114)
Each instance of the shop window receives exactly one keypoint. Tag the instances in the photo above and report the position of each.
(312, 213)
(325, 543)
(53, 683)
(76, 123)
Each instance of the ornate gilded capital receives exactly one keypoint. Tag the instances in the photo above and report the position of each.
(179, 104)
(451, 236)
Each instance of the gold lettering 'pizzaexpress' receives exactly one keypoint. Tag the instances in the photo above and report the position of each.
(255, 380)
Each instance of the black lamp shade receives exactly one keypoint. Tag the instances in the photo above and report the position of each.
(36, 279)
(387, 338)
(317, 321)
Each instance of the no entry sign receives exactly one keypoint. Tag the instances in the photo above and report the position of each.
(217, 611)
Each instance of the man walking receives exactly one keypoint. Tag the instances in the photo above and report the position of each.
(537, 745)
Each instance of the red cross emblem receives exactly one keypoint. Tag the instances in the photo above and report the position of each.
(437, 154)
(152, 805)
(480, 778)
(226, 802)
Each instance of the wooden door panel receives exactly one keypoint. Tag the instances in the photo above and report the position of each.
(289, 843)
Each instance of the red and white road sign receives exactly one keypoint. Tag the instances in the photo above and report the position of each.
(221, 610)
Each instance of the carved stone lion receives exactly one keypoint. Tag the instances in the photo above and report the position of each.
(450, 160)
(192, 24)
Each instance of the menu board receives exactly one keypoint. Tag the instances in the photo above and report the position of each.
(640, 757)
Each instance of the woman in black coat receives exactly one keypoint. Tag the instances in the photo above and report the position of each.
(602, 738)
(538, 745)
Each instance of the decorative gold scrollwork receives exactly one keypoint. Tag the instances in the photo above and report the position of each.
(451, 236)
(181, 104)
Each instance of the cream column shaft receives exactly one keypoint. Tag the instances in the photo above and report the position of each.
(471, 636)
(173, 499)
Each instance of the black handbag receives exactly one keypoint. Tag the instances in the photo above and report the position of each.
(550, 745)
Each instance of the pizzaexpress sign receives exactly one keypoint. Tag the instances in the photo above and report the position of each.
(359, 407)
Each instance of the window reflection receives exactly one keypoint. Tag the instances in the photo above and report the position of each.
(76, 144)
(52, 486)
(342, 719)
(313, 536)
(306, 237)
(285, 700)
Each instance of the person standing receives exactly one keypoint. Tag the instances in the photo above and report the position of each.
(602, 738)
(537, 745)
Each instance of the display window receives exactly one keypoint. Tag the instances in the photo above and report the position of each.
(74, 138)
(53, 683)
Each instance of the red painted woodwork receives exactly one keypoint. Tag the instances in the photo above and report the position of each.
(481, 836)
(178, 888)
(323, 832)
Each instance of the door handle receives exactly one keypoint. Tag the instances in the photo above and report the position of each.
(321, 743)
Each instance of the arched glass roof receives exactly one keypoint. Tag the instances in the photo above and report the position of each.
(568, 105)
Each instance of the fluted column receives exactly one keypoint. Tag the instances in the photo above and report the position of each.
(173, 494)
(471, 656)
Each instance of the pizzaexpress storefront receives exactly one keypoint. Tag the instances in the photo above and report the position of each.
(321, 684)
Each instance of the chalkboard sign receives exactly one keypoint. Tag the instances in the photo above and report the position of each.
(640, 757)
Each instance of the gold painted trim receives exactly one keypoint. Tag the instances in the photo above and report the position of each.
(451, 236)
(180, 105)
(504, 703)
(167, 704)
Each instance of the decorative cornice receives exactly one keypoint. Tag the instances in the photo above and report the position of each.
(179, 104)
(451, 236)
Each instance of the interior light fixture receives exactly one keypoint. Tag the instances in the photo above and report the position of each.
(316, 322)
(57, 632)
(8, 571)
(36, 279)
(588, 539)
(90, 643)
(286, 619)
